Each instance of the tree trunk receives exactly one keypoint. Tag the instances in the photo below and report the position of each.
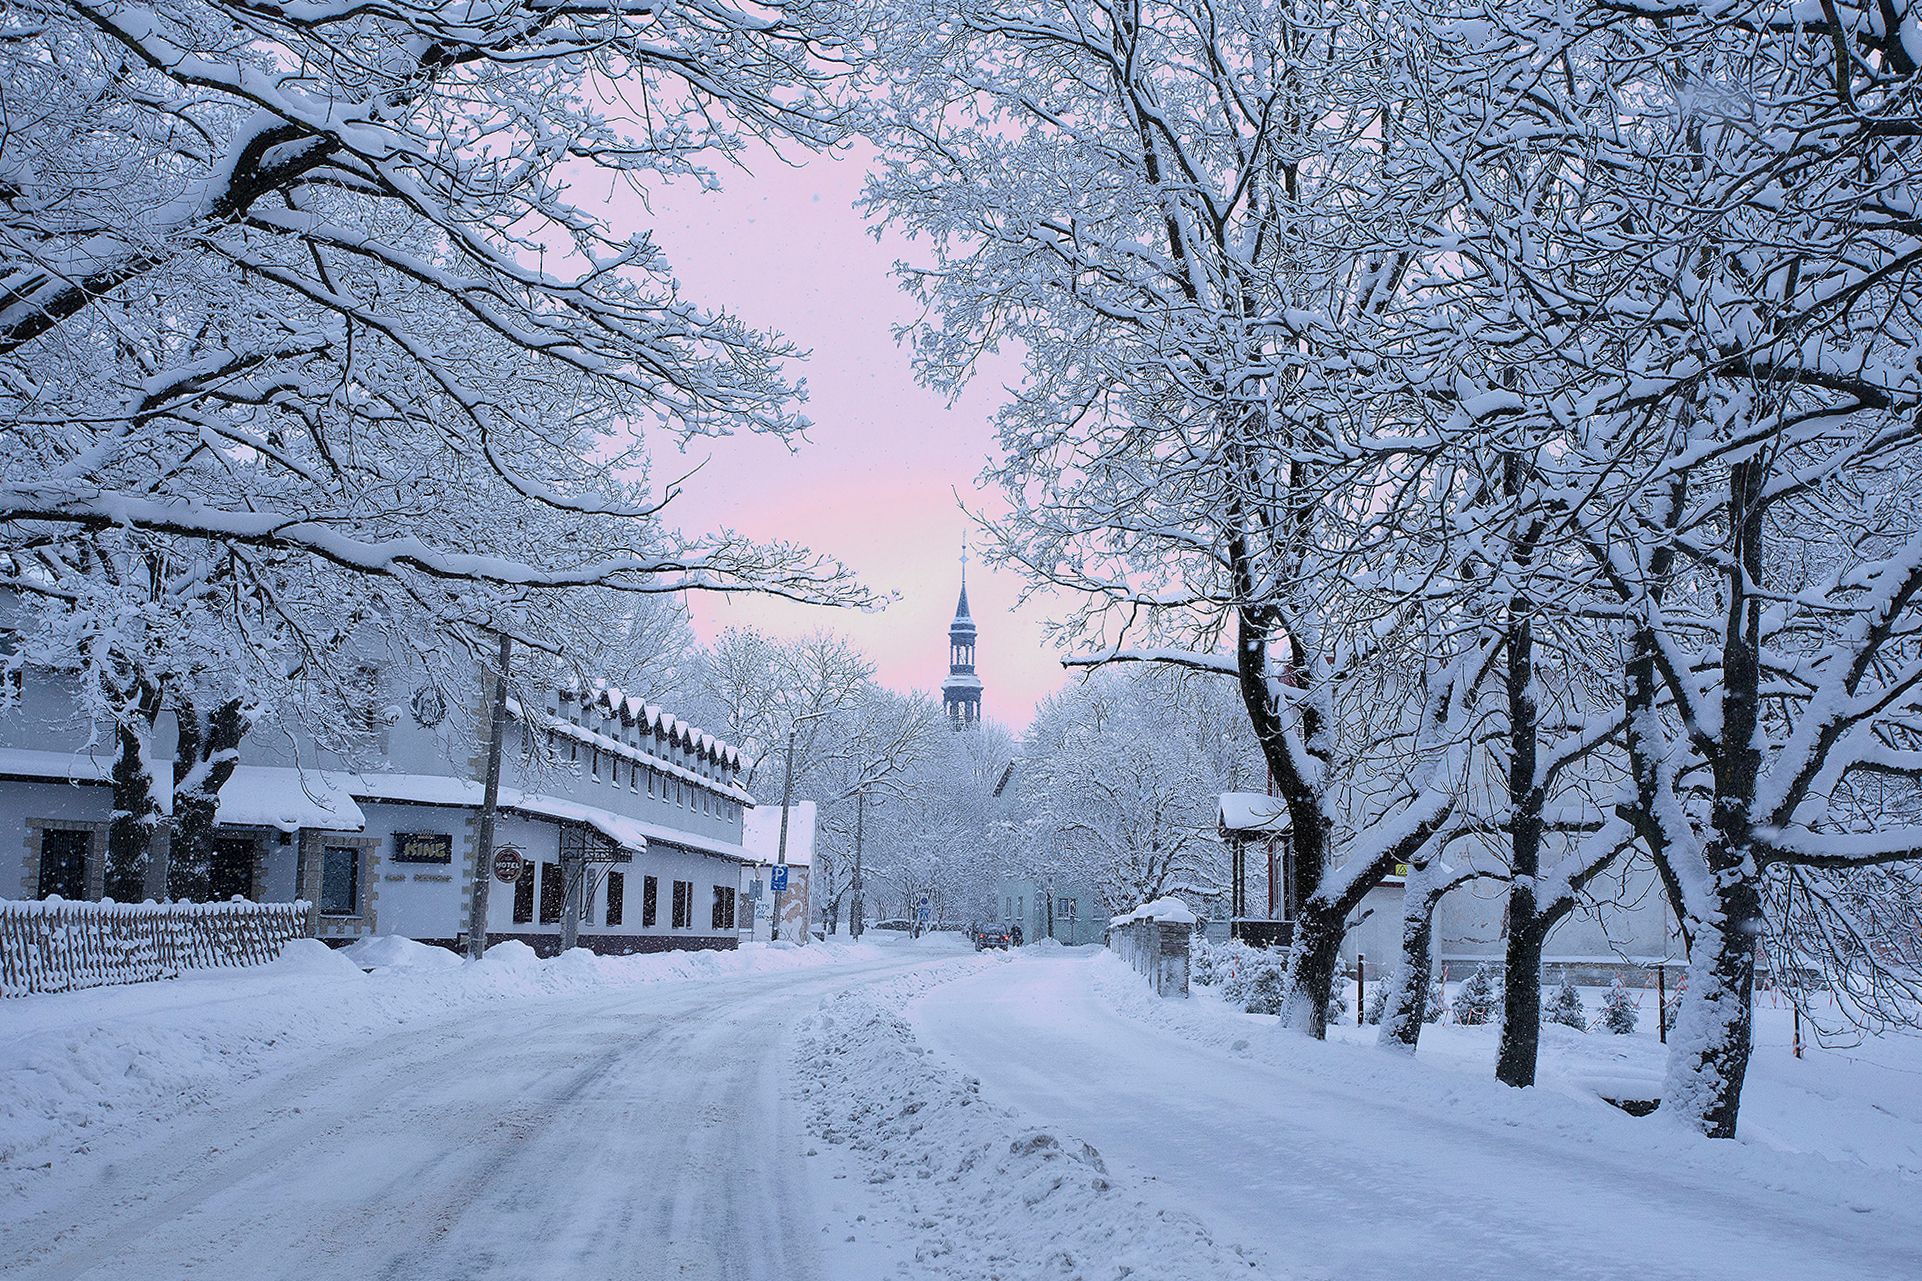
(1709, 1050)
(206, 760)
(1312, 963)
(136, 817)
(1407, 998)
(1521, 1034)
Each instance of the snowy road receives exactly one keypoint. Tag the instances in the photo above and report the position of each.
(1332, 1177)
(635, 1134)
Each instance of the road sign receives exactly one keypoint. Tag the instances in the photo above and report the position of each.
(507, 864)
(922, 912)
(777, 878)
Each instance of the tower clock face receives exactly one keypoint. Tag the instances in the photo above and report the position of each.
(429, 707)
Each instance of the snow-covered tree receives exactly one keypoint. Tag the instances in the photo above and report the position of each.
(1618, 1009)
(1146, 200)
(1479, 999)
(1118, 783)
(1565, 1007)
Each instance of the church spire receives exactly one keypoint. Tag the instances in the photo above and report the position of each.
(961, 692)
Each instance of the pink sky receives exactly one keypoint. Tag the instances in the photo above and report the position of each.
(877, 483)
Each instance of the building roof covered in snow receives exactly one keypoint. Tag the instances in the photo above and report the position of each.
(1251, 814)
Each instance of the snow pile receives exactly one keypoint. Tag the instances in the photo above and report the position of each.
(983, 1194)
(1169, 911)
(394, 952)
(75, 1064)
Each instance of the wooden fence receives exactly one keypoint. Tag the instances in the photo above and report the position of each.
(62, 946)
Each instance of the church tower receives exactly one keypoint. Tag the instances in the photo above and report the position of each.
(961, 692)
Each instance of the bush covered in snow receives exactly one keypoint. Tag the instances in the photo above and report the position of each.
(1260, 982)
(1565, 1007)
(1338, 996)
(1618, 1009)
(1436, 1003)
(1479, 1000)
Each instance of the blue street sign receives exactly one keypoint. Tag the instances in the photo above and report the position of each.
(922, 913)
(777, 880)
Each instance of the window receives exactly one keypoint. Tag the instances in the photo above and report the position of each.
(616, 897)
(423, 847)
(723, 907)
(524, 894)
(63, 863)
(13, 670)
(553, 894)
(683, 905)
(650, 887)
(651, 776)
(1065, 908)
(340, 880)
(233, 870)
(594, 761)
(634, 776)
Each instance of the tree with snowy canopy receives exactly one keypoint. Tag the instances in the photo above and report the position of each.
(1619, 1014)
(1118, 783)
(1565, 1007)
(1184, 450)
(302, 359)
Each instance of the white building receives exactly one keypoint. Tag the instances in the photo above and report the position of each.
(1626, 927)
(650, 806)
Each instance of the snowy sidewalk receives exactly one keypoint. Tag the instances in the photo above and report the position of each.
(1342, 1162)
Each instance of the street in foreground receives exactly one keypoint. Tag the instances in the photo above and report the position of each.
(883, 1110)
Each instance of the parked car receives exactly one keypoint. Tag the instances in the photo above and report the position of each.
(987, 936)
(903, 926)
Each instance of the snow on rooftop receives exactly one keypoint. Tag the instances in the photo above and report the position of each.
(1254, 812)
(287, 799)
(761, 833)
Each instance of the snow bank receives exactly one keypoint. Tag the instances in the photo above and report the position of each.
(392, 951)
(1171, 911)
(76, 1064)
(978, 1192)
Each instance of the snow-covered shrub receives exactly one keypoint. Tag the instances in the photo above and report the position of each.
(1262, 980)
(1338, 996)
(1618, 1009)
(1377, 1004)
(1216, 964)
(1479, 1000)
(1565, 1007)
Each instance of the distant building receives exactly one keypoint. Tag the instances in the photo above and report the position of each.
(961, 692)
(1628, 933)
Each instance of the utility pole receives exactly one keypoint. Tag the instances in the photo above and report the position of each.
(490, 803)
(780, 853)
(1051, 905)
(573, 881)
(854, 908)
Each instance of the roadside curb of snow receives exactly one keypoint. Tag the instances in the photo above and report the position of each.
(983, 1195)
(76, 1067)
(1557, 1112)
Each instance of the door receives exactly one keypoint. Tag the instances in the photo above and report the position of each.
(63, 864)
(233, 871)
